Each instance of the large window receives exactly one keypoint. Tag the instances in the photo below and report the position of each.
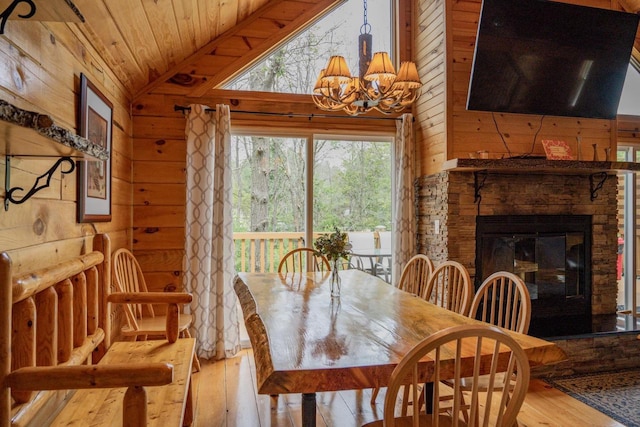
(294, 67)
(628, 261)
(287, 190)
(630, 101)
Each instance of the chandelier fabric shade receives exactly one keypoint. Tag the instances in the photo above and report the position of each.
(380, 68)
(377, 87)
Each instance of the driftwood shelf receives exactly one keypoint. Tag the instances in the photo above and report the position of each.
(27, 133)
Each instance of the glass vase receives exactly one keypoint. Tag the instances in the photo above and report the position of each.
(335, 280)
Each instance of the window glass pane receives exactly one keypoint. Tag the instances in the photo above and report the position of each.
(630, 101)
(268, 181)
(295, 67)
(352, 185)
(352, 191)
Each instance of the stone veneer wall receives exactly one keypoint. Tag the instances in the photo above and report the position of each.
(448, 197)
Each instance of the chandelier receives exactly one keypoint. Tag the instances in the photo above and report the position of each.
(377, 86)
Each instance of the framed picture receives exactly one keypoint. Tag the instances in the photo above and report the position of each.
(94, 177)
(556, 150)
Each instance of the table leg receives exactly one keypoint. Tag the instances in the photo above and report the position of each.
(428, 397)
(374, 266)
(308, 410)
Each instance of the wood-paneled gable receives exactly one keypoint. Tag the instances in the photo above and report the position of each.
(446, 130)
(159, 141)
(239, 47)
(148, 56)
(142, 40)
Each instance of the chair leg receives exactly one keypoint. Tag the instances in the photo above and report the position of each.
(374, 395)
(449, 398)
(196, 361)
(467, 409)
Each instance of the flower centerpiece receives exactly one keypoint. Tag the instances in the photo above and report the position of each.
(334, 246)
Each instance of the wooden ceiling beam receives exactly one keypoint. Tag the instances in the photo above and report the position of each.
(257, 49)
(279, 36)
(630, 5)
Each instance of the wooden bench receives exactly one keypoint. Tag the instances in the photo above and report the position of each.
(57, 364)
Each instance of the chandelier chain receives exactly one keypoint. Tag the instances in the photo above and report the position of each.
(366, 27)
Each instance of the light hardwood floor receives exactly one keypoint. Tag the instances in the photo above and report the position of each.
(226, 397)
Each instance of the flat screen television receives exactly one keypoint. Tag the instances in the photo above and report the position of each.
(549, 58)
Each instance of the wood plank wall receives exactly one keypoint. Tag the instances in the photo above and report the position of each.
(159, 155)
(446, 130)
(431, 52)
(40, 71)
(159, 162)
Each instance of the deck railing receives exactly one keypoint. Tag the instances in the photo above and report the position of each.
(261, 252)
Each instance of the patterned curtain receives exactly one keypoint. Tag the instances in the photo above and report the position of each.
(208, 263)
(404, 215)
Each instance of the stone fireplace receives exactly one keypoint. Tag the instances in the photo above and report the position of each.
(452, 203)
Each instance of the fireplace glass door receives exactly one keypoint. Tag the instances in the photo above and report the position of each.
(551, 265)
(550, 253)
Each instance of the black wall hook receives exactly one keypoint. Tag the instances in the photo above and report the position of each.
(4, 16)
(42, 182)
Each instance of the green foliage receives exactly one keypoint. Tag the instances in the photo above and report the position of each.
(334, 246)
(352, 184)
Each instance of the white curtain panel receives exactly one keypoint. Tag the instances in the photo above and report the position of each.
(404, 244)
(209, 253)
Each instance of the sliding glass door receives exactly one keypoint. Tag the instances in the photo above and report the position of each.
(287, 190)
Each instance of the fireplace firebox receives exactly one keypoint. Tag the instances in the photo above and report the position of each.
(552, 254)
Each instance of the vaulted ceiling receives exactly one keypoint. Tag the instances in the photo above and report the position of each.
(187, 47)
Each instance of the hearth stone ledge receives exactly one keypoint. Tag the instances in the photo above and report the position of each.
(594, 353)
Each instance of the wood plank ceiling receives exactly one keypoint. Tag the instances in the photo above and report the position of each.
(186, 47)
(189, 47)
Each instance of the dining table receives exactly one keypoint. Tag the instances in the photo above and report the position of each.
(306, 341)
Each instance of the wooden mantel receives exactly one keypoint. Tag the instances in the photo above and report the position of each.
(539, 166)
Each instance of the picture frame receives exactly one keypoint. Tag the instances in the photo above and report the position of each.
(94, 176)
(557, 150)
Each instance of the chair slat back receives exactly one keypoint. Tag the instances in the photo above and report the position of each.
(498, 406)
(128, 277)
(503, 300)
(299, 259)
(450, 287)
(415, 275)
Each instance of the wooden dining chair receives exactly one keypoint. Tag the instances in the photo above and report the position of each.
(142, 320)
(415, 274)
(297, 260)
(502, 300)
(414, 279)
(450, 287)
(499, 407)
